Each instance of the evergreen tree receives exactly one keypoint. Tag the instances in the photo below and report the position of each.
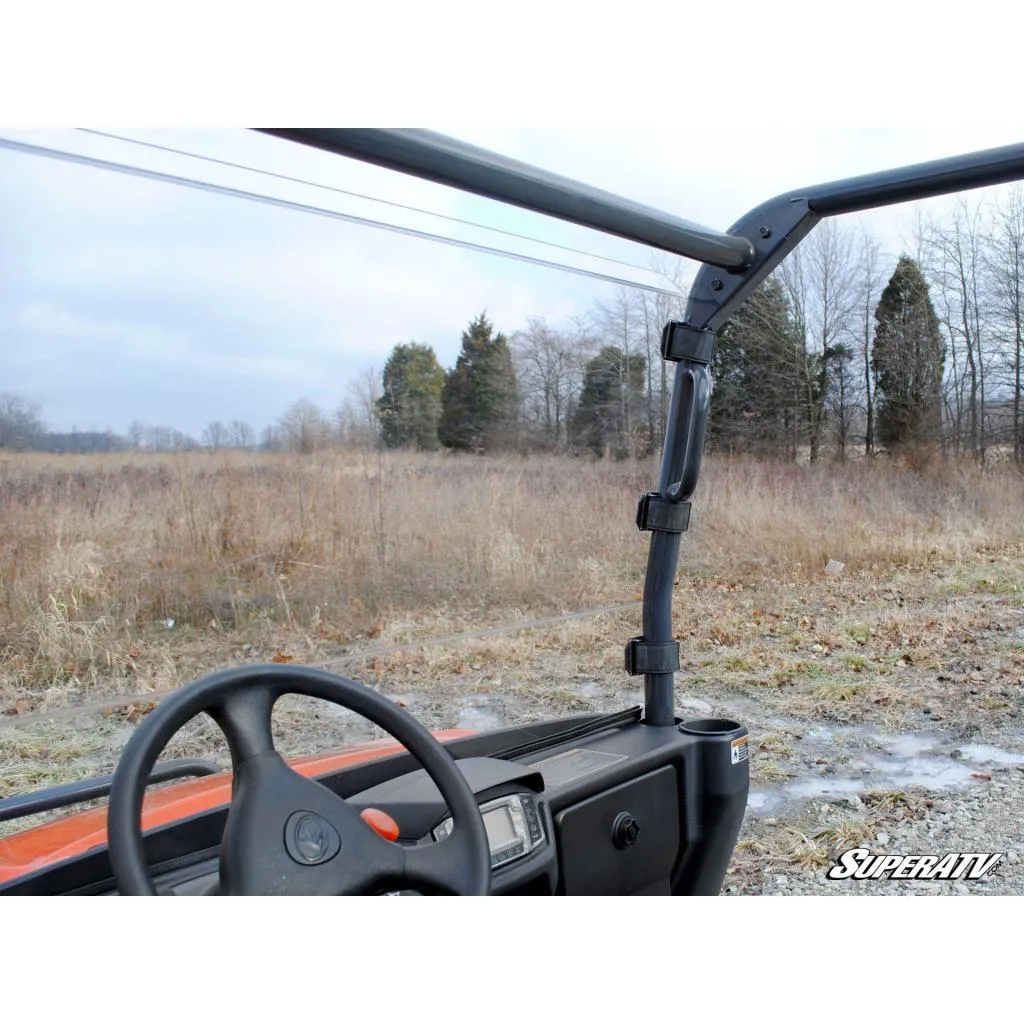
(908, 358)
(410, 407)
(613, 383)
(760, 377)
(479, 400)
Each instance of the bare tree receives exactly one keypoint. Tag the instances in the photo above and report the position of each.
(304, 427)
(136, 433)
(241, 435)
(954, 262)
(357, 422)
(655, 310)
(20, 422)
(619, 326)
(868, 288)
(549, 369)
(216, 435)
(819, 280)
(1004, 271)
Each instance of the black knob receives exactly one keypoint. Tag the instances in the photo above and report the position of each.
(625, 830)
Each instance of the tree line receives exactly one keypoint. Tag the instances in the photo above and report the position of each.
(838, 352)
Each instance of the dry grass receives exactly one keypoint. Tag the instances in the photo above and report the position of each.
(97, 553)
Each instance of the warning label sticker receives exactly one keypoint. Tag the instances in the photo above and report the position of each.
(573, 764)
(739, 750)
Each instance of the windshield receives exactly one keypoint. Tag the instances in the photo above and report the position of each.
(263, 404)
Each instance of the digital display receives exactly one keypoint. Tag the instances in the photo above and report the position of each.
(500, 829)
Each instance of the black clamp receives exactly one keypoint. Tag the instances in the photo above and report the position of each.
(657, 513)
(680, 342)
(643, 657)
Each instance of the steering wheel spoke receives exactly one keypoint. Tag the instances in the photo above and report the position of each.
(245, 719)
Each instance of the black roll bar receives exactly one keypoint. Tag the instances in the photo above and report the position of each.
(734, 264)
(448, 161)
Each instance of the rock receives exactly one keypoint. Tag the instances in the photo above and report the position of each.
(1012, 858)
(834, 568)
(782, 881)
(961, 889)
(882, 838)
(846, 800)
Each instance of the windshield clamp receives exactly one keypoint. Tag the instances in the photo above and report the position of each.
(657, 513)
(643, 657)
(680, 341)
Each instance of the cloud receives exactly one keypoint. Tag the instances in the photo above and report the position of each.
(125, 299)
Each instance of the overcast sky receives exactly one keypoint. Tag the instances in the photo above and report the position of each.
(124, 299)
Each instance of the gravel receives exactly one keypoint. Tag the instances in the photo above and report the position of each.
(986, 818)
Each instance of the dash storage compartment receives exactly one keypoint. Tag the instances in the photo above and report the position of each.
(624, 841)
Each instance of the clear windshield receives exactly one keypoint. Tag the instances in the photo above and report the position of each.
(313, 411)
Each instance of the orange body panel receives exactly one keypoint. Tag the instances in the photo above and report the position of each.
(56, 841)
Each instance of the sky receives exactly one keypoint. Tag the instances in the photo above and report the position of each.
(124, 299)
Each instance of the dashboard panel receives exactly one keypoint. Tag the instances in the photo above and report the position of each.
(583, 805)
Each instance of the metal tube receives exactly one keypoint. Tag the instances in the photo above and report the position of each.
(451, 162)
(680, 468)
(916, 181)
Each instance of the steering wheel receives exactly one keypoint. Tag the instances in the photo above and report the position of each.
(286, 834)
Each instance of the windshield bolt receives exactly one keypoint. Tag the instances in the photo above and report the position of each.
(716, 285)
(764, 231)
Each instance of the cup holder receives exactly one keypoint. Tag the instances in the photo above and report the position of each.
(711, 726)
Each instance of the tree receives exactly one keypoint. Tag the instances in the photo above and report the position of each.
(954, 250)
(241, 435)
(137, 433)
(357, 419)
(549, 370)
(479, 400)
(868, 283)
(304, 427)
(410, 404)
(613, 382)
(908, 360)
(757, 373)
(215, 435)
(819, 281)
(20, 422)
(620, 324)
(1004, 264)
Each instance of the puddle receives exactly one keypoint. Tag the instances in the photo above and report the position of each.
(981, 752)
(902, 762)
(478, 715)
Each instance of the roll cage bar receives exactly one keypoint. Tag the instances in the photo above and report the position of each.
(734, 263)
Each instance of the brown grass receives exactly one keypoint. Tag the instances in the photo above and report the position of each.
(97, 552)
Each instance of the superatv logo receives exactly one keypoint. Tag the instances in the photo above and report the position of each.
(862, 863)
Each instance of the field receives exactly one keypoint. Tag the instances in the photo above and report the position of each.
(444, 581)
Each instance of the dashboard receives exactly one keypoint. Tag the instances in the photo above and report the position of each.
(596, 805)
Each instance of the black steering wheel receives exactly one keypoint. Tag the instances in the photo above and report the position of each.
(286, 834)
